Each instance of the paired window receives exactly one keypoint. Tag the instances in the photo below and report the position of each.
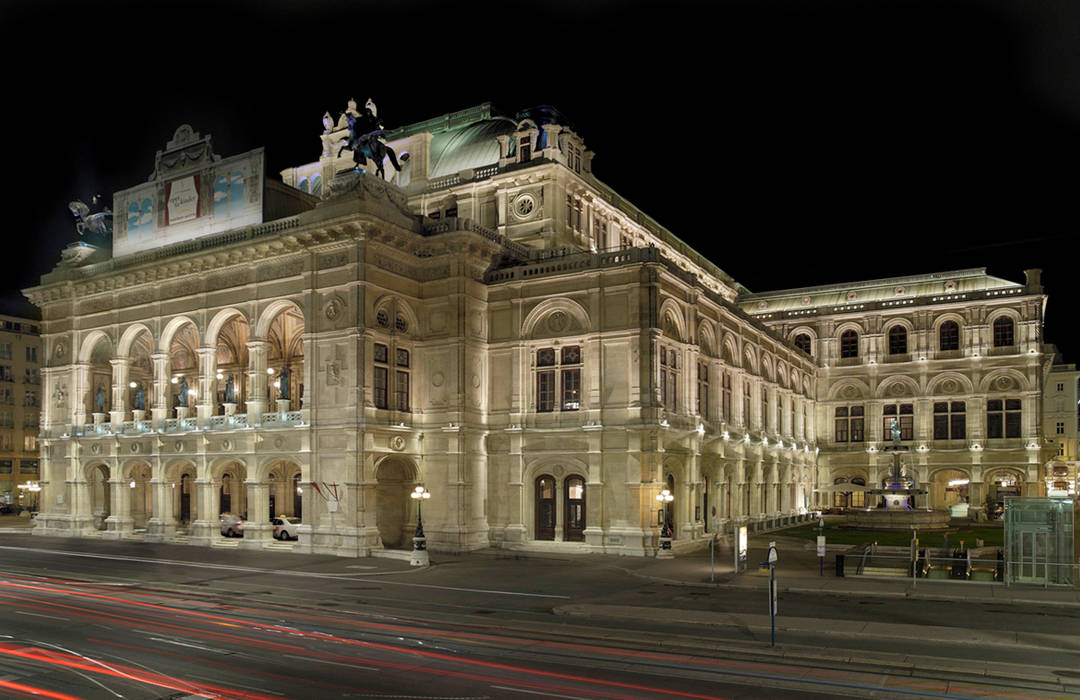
(669, 378)
(397, 395)
(703, 390)
(31, 353)
(1003, 418)
(849, 424)
(1060, 428)
(950, 420)
(904, 415)
(803, 342)
(898, 340)
(573, 212)
(949, 336)
(849, 344)
(1003, 332)
(568, 369)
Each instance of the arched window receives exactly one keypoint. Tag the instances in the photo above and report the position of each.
(545, 507)
(840, 499)
(574, 499)
(1003, 332)
(803, 342)
(897, 340)
(849, 344)
(949, 336)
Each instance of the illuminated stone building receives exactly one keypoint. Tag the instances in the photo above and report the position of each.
(491, 322)
(1061, 426)
(954, 357)
(20, 402)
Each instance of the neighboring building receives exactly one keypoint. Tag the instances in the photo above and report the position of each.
(20, 405)
(953, 357)
(496, 324)
(1061, 426)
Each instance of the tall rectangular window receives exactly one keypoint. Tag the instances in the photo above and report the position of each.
(725, 396)
(950, 420)
(703, 390)
(849, 424)
(570, 374)
(904, 414)
(1003, 418)
(746, 404)
(381, 385)
(545, 391)
(669, 378)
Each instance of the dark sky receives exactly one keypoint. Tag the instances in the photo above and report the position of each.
(794, 143)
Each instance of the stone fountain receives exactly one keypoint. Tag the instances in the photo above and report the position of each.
(896, 510)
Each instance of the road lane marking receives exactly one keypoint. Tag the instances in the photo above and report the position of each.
(51, 617)
(537, 692)
(332, 663)
(304, 574)
(193, 646)
(236, 685)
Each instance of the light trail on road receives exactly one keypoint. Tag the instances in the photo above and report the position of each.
(364, 647)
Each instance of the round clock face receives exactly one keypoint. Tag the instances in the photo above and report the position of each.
(524, 205)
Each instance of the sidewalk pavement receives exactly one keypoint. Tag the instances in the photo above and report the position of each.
(799, 570)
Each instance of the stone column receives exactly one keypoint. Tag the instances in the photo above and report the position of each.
(256, 396)
(120, 373)
(78, 394)
(206, 400)
(516, 528)
(206, 526)
(257, 529)
(161, 525)
(119, 521)
(159, 401)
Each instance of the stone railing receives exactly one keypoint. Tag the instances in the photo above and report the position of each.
(236, 421)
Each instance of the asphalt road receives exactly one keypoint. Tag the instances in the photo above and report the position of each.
(102, 619)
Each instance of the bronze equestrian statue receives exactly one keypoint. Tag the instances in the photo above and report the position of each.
(365, 130)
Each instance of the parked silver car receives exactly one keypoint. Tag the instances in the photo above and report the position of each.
(232, 525)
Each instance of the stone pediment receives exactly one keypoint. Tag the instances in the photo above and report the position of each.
(187, 150)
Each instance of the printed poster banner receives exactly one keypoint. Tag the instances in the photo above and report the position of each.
(182, 200)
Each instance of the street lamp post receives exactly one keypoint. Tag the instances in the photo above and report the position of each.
(419, 554)
(664, 551)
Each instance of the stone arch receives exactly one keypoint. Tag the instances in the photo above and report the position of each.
(90, 342)
(897, 321)
(228, 476)
(750, 359)
(577, 318)
(940, 495)
(396, 305)
(395, 478)
(210, 337)
(950, 384)
(767, 367)
(270, 312)
(947, 316)
(559, 469)
(140, 498)
(128, 337)
(781, 375)
(808, 386)
(97, 475)
(804, 330)
(849, 389)
(1008, 311)
(897, 386)
(729, 351)
(672, 320)
(1004, 380)
(181, 475)
(174, 325)
(282, 476)
(706, 338)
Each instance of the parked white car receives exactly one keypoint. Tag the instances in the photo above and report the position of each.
(285, 529)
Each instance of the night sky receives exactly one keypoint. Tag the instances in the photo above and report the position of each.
(793, 143)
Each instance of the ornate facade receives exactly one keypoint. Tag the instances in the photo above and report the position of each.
(491, 322)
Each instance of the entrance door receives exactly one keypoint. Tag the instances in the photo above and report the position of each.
(574, 529)
(545, 508)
